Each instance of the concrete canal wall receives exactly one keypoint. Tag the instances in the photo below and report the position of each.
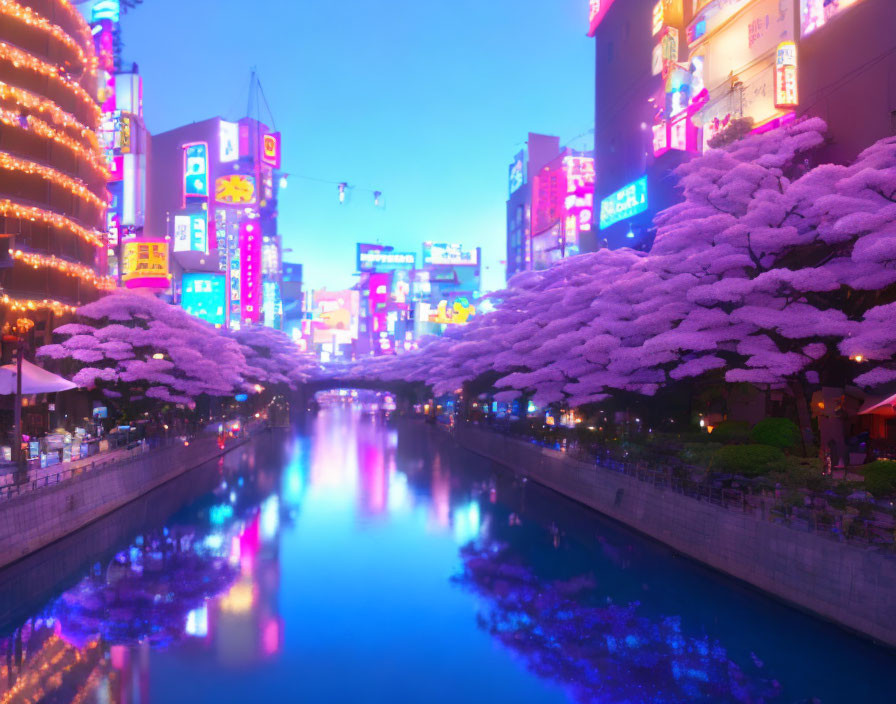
(37, 518)
(850, 585)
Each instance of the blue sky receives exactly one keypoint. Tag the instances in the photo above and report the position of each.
(424, 100)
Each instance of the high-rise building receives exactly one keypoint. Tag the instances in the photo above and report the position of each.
(550, 205)
(125, 143)
(52, 170)
(213, 195)
(677, 77)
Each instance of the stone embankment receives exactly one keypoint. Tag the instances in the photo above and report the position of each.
(851, 585)
(43, 514)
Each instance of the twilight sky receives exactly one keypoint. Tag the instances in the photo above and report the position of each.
(424, 100)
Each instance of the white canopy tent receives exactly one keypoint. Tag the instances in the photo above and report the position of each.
(35, 380)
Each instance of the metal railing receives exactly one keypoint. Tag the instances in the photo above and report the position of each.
(816, 515)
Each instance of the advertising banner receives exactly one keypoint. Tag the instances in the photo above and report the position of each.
(250, 272)
(202, 295)
(624, 203)
(191, 232)
(449, 255)
(196, 170)
(145, 263)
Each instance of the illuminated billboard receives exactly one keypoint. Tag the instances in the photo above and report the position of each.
(250, 272)
(548, 195)
(449, 255)
(517, 172)
(270, 149)
(235, 189)
(228, 141)
(375, 256)
(786, 93)
(817, 13)
(380, 286)
(459, 313)
(596, 11)
(145, 264)
(624, 203)
(196, 170)
(202, 295)
(335, 316)
(191, 232)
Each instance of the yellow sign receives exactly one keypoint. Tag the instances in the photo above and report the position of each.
(124, 134)
(145, 263)
(235, 189)
(460, 313)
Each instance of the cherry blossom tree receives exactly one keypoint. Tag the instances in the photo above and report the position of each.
(134, 347)
(273, 358)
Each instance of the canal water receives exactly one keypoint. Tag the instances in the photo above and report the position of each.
(368, 561)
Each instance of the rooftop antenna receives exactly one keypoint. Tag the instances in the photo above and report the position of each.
(257, 99)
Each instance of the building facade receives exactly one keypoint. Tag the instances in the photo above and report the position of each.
(212, 195)
(677, 77)
(53, 173)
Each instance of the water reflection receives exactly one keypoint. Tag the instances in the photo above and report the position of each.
(376, 562)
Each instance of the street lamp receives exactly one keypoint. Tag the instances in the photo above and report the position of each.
(16, 334)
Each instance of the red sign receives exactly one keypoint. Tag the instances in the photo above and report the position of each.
(596, 12)
(548, 195)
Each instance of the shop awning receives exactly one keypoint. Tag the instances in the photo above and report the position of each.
(883, 407)
(35, 380)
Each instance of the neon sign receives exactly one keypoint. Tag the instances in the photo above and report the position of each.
(196, 170)
(191, 233)
(250, 272)
(202, 295)
(459, 313)
(145, 264)
(817, 13)
(270, 149)
(597, 10)
(517, 172)
(624, 203)
(371, 258)
(786, 95)
(449, 255)
(235, 189)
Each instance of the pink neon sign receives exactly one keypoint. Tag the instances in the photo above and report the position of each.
(596, 12)
(250, 272)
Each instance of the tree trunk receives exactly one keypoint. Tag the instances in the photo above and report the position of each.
(803, 415)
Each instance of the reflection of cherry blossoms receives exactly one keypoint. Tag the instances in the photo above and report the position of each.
(603, 652)
(130, 603)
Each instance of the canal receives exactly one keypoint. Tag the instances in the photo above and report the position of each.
(361, 560)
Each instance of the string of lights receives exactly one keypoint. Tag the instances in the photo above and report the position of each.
(22, 59)
(41, 128)
(29, 212)
(29, 101)
(26, 15)
(80, 271)
(80, 23)
(75, 186)
(24, 304)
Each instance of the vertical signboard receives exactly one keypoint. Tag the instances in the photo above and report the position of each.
(250, 272)
(191, 232)
(228, 142)
(270, 149)
(196, 170)
(786, 94)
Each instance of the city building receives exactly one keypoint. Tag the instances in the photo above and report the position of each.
(445, 289)
(293, 299)
(676, 77)
(213, 195)
(384, 288)
(52, 168)
(550, 204)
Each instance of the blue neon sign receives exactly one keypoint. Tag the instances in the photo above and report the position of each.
(624, 203)
(202, 295)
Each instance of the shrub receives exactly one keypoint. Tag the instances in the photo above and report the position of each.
(749, 460)
(731, 431)
(880, 477)
(777, 432)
